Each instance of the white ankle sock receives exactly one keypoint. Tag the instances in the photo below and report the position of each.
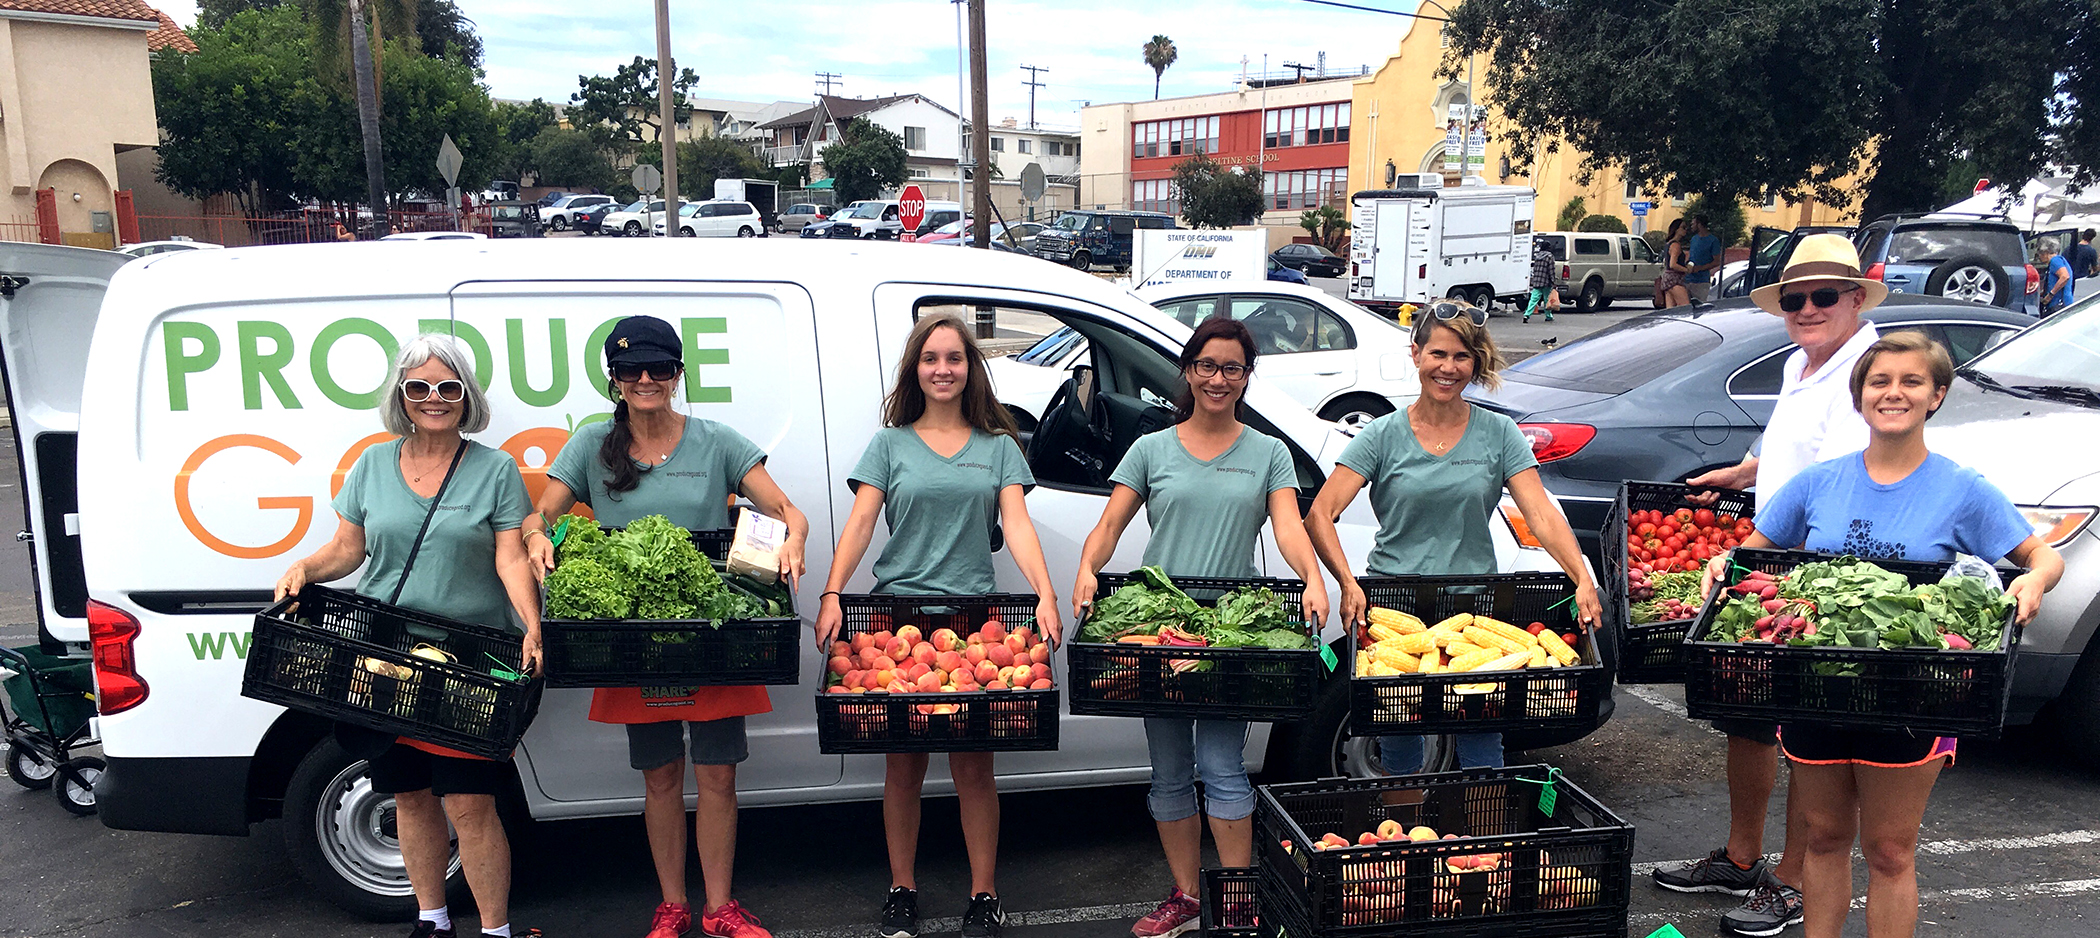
(500, 931)
(440, 916)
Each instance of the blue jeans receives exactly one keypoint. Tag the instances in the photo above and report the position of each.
(1182, 750)
(1402, 755)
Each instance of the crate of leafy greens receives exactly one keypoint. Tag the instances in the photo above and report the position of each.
(1818, 638)
(1656, 538)
(1473, 654)
(938, 674)
(352, 659)
(641, 607)
(1196, 647)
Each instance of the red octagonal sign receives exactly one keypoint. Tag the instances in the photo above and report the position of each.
(911, 208)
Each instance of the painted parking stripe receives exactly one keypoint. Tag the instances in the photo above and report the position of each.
(1938, 848)
(1643, 922)
(1666, 705)
(1091, 913)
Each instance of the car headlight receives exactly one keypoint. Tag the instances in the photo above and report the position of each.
(2057, 525)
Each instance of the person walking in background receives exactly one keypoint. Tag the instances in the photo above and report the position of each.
(1543, 291)
(2056, 277)
(1676, 262)
(1704, 254)
(2085, 259)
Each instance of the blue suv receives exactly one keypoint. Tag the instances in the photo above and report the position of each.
(1979, 260)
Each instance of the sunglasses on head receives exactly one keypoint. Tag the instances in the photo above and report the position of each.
(659, 371)
(450, 390)
(1824, 298)
(1445, 311)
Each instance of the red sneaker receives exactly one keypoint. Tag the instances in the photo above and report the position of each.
(673, 920)
(730, 920)
(1176, 915)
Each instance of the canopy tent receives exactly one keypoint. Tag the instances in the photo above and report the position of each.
(2041, 205)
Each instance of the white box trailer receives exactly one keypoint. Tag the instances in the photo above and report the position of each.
(1415, 245)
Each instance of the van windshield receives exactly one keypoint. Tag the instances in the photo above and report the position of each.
(1072, 223)
(508, 211)
(870, 210)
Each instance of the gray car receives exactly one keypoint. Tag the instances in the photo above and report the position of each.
(1674, 393)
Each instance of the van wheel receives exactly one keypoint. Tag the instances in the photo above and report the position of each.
(341, 838)
(1592, 297)
(1082, 261)
(75, 784)
(746, 232)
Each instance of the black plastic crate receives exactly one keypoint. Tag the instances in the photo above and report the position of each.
(1653, 652)
(1558, 875)
(1230, 907)
(1252, 684)
(1480, 702)
(675, 652)
(1921, 690)
(345, 657)
(980, 721)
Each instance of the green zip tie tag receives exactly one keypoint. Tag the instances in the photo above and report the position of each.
(1667, 931)
(1548, 795)
(560, 531)
(502, 670)
(1564, 601)
(1327, 658)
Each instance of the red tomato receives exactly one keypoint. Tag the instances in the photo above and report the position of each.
(1683, 555)
(1568, 637)
(1535, 627)
(1731, 544)
(1673, 542)
(1725, 519)
(1665, 530)
(1645, 529)
(1683, 515)
(1700, 552)
(1703, 516)
(1743, 527)
(1652, 544)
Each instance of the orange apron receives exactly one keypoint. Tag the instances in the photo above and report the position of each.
(663, 704)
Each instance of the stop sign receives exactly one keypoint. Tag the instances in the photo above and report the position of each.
(911, 208)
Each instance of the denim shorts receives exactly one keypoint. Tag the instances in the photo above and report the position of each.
(1183, 750)
(714, 742)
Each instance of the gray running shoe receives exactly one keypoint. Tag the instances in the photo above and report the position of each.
(1768, 911)
(1716, 873)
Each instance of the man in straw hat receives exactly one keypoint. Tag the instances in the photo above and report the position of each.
(1822, 296)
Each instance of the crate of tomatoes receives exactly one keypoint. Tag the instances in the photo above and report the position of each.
(1448, 855)
(1472, 654)
(938, 674)
(1836, 640)
(1202, 648)
(1656, 538)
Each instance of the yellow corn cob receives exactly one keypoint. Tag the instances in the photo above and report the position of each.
(1459, 621)
(1445, 637)
(1396, 620)
(1393, 657)
(1380, 669)
(1431, 662)
(1473, 660)
(1510, 662)
(1539, 658)
(1414, 644)
(1460, 649)
(1486, 639)
(1506, 630)
(1363, 663)
(1557, 648)
(1382, 633)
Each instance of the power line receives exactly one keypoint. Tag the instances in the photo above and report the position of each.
(1351, 6)
(828, 79)
(1032, 85)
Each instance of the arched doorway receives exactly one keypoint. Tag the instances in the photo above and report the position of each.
(82, 191)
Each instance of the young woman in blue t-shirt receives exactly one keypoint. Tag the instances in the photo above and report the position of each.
(1895, 500)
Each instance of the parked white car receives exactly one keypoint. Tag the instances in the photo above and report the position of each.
(436, 236)
(150, 248)
(561, 216)
(633, 220)
(717, 219)
(1343, 362)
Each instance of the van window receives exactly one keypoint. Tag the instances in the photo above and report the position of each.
(1154, 221)
(1122, 224)
(1641, 251)
(1592, 247)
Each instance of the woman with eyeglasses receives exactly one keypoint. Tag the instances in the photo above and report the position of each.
(1437, 470)
(649, 459)
(469, 563)
(1207, 485)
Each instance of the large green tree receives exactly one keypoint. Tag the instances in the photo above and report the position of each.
(628, 100)
(702, 161)
(868, 159)
(1731, 97)
(518, 125)
(1213, 196)
(573, 159)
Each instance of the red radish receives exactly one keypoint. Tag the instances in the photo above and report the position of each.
(1955, 641)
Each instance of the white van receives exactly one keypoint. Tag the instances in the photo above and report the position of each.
(229, 392)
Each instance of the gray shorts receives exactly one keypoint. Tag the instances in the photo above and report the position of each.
(1697, 291)
(714, 742)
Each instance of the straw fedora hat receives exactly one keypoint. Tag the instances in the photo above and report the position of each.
(1821, 257)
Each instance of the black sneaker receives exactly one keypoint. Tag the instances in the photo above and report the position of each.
(1716, 873)
(428, 929)
(1771, 908)
(985, 918)
(900, 913)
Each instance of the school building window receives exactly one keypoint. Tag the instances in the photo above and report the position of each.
(1304, 188)
(1185, 137)
(1305, 126)
(1154, 195)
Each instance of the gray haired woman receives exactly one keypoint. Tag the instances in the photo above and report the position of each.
(471, 566)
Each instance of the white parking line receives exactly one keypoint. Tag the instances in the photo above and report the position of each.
(1941, 848)
(1644, 922)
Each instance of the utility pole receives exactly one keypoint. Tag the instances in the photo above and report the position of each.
(666, 89)
(1032, 85)
(827, 79)
(981, 145)
(963, 166)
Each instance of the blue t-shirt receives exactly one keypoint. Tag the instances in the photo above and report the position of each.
(2059, 296)
(1704, 249)
(1940, 509)
(2084, 258)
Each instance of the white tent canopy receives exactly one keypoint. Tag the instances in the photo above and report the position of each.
(2041, 205)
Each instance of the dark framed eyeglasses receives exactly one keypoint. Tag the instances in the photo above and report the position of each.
(450, 390)
(1445, 311)
(1824, 298)
(658, 371)
(1205, 368)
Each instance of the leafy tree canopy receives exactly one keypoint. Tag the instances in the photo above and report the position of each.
(1215, 197)
(868, 159)
(1608, 223)
(573, 159)
(627, 100)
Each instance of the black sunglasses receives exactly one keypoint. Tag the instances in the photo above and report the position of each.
(660, 371)
(1445, 311)
(1824, 298)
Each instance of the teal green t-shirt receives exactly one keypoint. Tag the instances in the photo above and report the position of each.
(692, 488)
(455, 573)
(940, 511)
(1433, 510)
(1206, 516)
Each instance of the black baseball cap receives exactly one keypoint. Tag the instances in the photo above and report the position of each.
(641, 340)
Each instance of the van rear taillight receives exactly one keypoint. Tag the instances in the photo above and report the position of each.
(117, 682)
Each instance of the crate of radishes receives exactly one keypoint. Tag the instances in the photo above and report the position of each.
(1804, 637)
(1479, 852)
(1472, 654)
(1196, 647)
(1656, 536)
(937, 674)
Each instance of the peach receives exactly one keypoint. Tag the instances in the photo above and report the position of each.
(1039, 672)
(1390, 829)
(883, 637)
(929, 682)
(1039, 653)
(910, 634)
(841, 665)
(898, 687)
(1421, 833)
(838, 689)
(975, 654)
(1016, 643)
(885, 663)
(863, 642)
(995, 684)
(1039, 684)
(999, 655)
(1333, 840)
(993, 631)
(867, 656)
(986, 672)
(841, 650)
(944, 639)
(872, 680)
(1027, 634)
(963, 686)
(1366, 839)
(925, 654)
(949, 660)
(916, 671)
(897, 649)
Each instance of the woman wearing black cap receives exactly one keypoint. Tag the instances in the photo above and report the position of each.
(649, 459)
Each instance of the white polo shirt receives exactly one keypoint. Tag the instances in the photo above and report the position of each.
(1813, 420)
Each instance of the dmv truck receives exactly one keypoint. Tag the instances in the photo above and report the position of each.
(1470, 242)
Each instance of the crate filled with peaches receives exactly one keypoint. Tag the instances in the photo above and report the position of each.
(938, 674)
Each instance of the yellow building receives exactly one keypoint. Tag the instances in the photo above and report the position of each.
(1403, 125)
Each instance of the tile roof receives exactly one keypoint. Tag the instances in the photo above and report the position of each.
(169, 36)
(108, 9)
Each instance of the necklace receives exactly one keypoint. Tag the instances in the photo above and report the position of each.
(417, 475)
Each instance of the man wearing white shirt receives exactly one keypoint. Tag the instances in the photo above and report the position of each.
(1822, 296)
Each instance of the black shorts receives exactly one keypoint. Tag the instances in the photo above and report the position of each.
(405, 768)
(1812, 744)
(1752, 730)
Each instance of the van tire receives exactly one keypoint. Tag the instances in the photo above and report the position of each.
(1082, 261)
(1591, 299)
(632, 230)
(746, 232)
(365, 884)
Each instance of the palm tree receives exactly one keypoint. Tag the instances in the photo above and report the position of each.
(1160, 53)
(400, 17)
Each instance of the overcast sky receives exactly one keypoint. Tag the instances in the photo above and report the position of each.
(770, 51)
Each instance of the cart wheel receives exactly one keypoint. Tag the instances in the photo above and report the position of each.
(76, 784)
(28, 768)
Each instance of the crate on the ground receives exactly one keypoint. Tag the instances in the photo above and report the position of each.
(1196, 682)
(352, 659)
(1514, 868)
(1930, 692)
(1479, 702)
(1230, 909)
(1005, 720)
(1652, 652)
